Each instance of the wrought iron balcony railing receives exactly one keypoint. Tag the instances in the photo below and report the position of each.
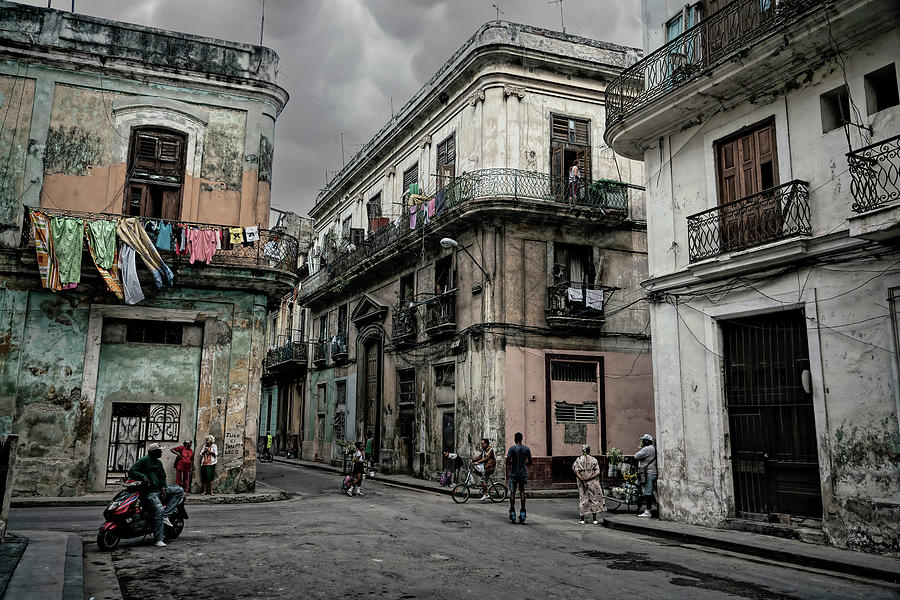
(767, 216)
(320, 353)
(274, 250)
(292, 354)
(738, 25)
(440, 315)
(875, 173)
(403, 325)
(339, 347)
(577, 303)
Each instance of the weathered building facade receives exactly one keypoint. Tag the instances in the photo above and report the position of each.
(105, 122)
(466, 282)
(769, 133)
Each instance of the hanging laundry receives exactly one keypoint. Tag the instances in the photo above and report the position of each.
(226, 239)
(152, 229)
(218, 239)
(130, 281)
(431, 207)
(236, 235)
(439, 201)
(413, 211)
(274, 250)
(131, 232)
(594, 299)
(67, 234)
(164, 236)
(48, 268)
(251, 234)
(202, 243)
(101, 238)
(575, 294)
(182, 236)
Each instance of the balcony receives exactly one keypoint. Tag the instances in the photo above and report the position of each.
(875, 185)
(275, 249)
(339, 347)
(576, 304)
(440, 314)
(770, 215)
(320, 353)
(403, 326)
(290, 356)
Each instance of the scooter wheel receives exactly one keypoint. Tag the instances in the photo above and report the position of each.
(175, 530)
(108, 539)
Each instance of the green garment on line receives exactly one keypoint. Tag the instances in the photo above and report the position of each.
(67, 235)
(102, 239)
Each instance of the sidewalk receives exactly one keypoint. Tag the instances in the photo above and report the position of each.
(795, 552)
(50, 568)
(263, 493)
(415, 483)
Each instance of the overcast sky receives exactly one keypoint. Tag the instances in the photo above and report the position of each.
(343, 60)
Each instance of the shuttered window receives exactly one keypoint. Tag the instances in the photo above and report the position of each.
(570, 130)
(747, 163)
(155, 174)
(446, 162)
(406, 387)
(576, 413)
(410, 177)
(373, 206)
(573, 371)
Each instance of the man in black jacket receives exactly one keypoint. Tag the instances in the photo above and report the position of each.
(150, 470)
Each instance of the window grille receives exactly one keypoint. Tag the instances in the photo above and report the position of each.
(576, 413)
(573, 371)
(154, 332)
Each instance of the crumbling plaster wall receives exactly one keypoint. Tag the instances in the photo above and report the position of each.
(16, 104)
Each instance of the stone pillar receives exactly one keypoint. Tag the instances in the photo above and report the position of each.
(8, 446)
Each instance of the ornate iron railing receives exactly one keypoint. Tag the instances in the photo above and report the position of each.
(339, 346)
(320, 353)
(440, 315)
(576, 300)
(875, 174)
(738, 25)
(290, 353)
(403, 325)
(274, 250)
(773, 214)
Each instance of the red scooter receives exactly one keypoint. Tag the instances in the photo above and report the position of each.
(128, 517)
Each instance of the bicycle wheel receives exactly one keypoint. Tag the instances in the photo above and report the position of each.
(497, 492)
(460, 493)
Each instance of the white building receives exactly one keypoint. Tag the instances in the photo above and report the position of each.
(769, 134)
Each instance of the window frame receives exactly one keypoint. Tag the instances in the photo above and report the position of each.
(740, 186)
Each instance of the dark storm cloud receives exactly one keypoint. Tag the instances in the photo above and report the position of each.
(343, 60)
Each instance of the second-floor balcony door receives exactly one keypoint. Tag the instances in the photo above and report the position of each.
(155, 174)
(746, 165)
(569, 141)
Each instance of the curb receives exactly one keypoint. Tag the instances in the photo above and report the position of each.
(254, 498)
(826, 564)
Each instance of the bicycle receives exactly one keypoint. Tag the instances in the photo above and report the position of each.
(628, 493)
(263, 454)
(497, 491)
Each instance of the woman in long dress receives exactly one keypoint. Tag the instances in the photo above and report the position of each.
(590, 494)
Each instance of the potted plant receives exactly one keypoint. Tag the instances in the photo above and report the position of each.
(615, 457)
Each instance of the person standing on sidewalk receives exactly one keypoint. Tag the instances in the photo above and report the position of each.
(183, 465)
(151, 471)
(518, 459)
(647, 472)
(590, 493)
(209, 456)
(359, 468)
(489, 463)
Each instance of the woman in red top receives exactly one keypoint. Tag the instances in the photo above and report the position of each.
(183, 465)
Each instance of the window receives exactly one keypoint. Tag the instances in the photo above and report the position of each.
(576, 413)
(410, 179)
(881, 89)
(570, 140)
(323, 328)
(446, 162)
(406, 387)
(443, 275)
(573, 371)
(156, 174)
(373, 207)
(835, 107)
(342, 319)
(746, 162)
(573, 264)
(339, 422)
(345, 230)
(407, 288)
(445, 375)
(154, 332)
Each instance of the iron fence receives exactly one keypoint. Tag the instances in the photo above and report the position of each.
(441, 313)
(719, 36)
(773, 214)
(576, 299)
(290, 353)
(403, 324)
(875, 174)
(274, 249)
(320, 352)
(339, 346)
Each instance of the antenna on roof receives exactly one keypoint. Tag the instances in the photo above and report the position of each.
(561, 20)
(499, 12)
(262, 22)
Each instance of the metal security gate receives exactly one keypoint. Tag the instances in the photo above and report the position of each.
(132, 427)
(770, 416)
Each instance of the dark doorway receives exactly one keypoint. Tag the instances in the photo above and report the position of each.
(770, 416)
(371, 422)
(448, 432)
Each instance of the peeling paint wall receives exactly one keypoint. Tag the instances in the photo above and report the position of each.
(16, 104)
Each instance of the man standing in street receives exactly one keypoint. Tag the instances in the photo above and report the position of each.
(647, 473)
(150, 470)
(518, 459)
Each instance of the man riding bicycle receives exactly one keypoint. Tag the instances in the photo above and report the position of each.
(489, 461)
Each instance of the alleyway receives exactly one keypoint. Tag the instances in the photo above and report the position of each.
(397, 543)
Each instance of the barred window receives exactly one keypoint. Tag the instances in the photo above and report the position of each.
(406, 387)
(576, 413)
(154, 332)
(445, 375)
(573, 371)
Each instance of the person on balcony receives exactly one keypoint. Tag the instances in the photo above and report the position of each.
(574, 179)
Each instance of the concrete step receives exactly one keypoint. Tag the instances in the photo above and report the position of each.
(51, 568)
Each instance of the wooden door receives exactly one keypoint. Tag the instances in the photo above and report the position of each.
(371, 424)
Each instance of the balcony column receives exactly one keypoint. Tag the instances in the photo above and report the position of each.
(514, 122)
(493, 128)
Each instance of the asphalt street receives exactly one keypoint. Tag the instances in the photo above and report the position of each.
(398, 543)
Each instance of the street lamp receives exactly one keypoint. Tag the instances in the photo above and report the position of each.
(451, 243)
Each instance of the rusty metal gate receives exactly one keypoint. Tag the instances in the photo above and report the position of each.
(770, 416)
(133, 426)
